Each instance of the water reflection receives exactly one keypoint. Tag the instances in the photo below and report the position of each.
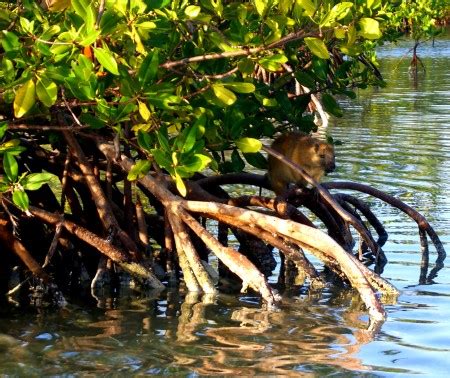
(396, 139)
(202, 333)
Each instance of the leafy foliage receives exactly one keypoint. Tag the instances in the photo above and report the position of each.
(181, 77)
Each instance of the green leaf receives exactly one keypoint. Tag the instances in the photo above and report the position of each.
(144, 111)
(261, 6)
(8, 70)
(369, 28)
(240, 87)
(149, 68)
(331, 106)
(25, 98)
(106, 59)
(139, 170)
(4, 186)
(224, 95)
(85, 9)
(162, 159)
(58, 5)
(249, 145)
(20, 199)
(274, 62)
(341, 9)
(46, 91)
(192, 11)
(163, 100)
(10, 166)
(246, 66)
(237, 164)
(317, 47)
(34, 181)
(10, 41)
(163, 140)
(308, 6)
(269, 102)
(12, 147)
(305, 79)
(338, 12)
(257, 160)
(180, 184)
(3, 128)
(196, 163)
(144, 140)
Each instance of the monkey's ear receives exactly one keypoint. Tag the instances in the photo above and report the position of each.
(316, 147)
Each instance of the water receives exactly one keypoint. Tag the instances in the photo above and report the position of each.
(396, 139)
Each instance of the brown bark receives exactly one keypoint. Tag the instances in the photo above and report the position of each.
(104, 209)
(308, 238)
(421, 221)
(236, 262)
(100, 244)
(11, 243)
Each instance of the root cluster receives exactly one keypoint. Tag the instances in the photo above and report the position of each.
(100, 222)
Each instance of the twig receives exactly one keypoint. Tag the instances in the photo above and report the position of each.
(242, 52)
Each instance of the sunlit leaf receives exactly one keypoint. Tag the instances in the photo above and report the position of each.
(144, 111)
(369, 28)
(240, 87)
(261, 6)
(25, 98)
(308, 6)
(106, 59)
(3, 128)
(10, 166)
(274, 62)
(226, 96)
(20, 199)
(181, 187)
(317, 47)
(192, 11)
(139, 170)
(57, 5)
(196, 163)
(249, 145)
(34, 181)
(46, 91)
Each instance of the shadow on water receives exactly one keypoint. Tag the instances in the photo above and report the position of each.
(396, 139)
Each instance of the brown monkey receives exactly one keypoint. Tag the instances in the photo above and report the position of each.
(314, 156)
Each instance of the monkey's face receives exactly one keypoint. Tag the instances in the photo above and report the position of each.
(324, 156)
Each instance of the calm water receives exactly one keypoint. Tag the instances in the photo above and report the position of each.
(396, 139)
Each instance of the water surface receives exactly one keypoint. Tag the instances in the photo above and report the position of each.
(396, 139)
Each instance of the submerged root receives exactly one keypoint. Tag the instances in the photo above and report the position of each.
(114, 223)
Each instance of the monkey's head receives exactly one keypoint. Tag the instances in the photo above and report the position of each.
(324, 156)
